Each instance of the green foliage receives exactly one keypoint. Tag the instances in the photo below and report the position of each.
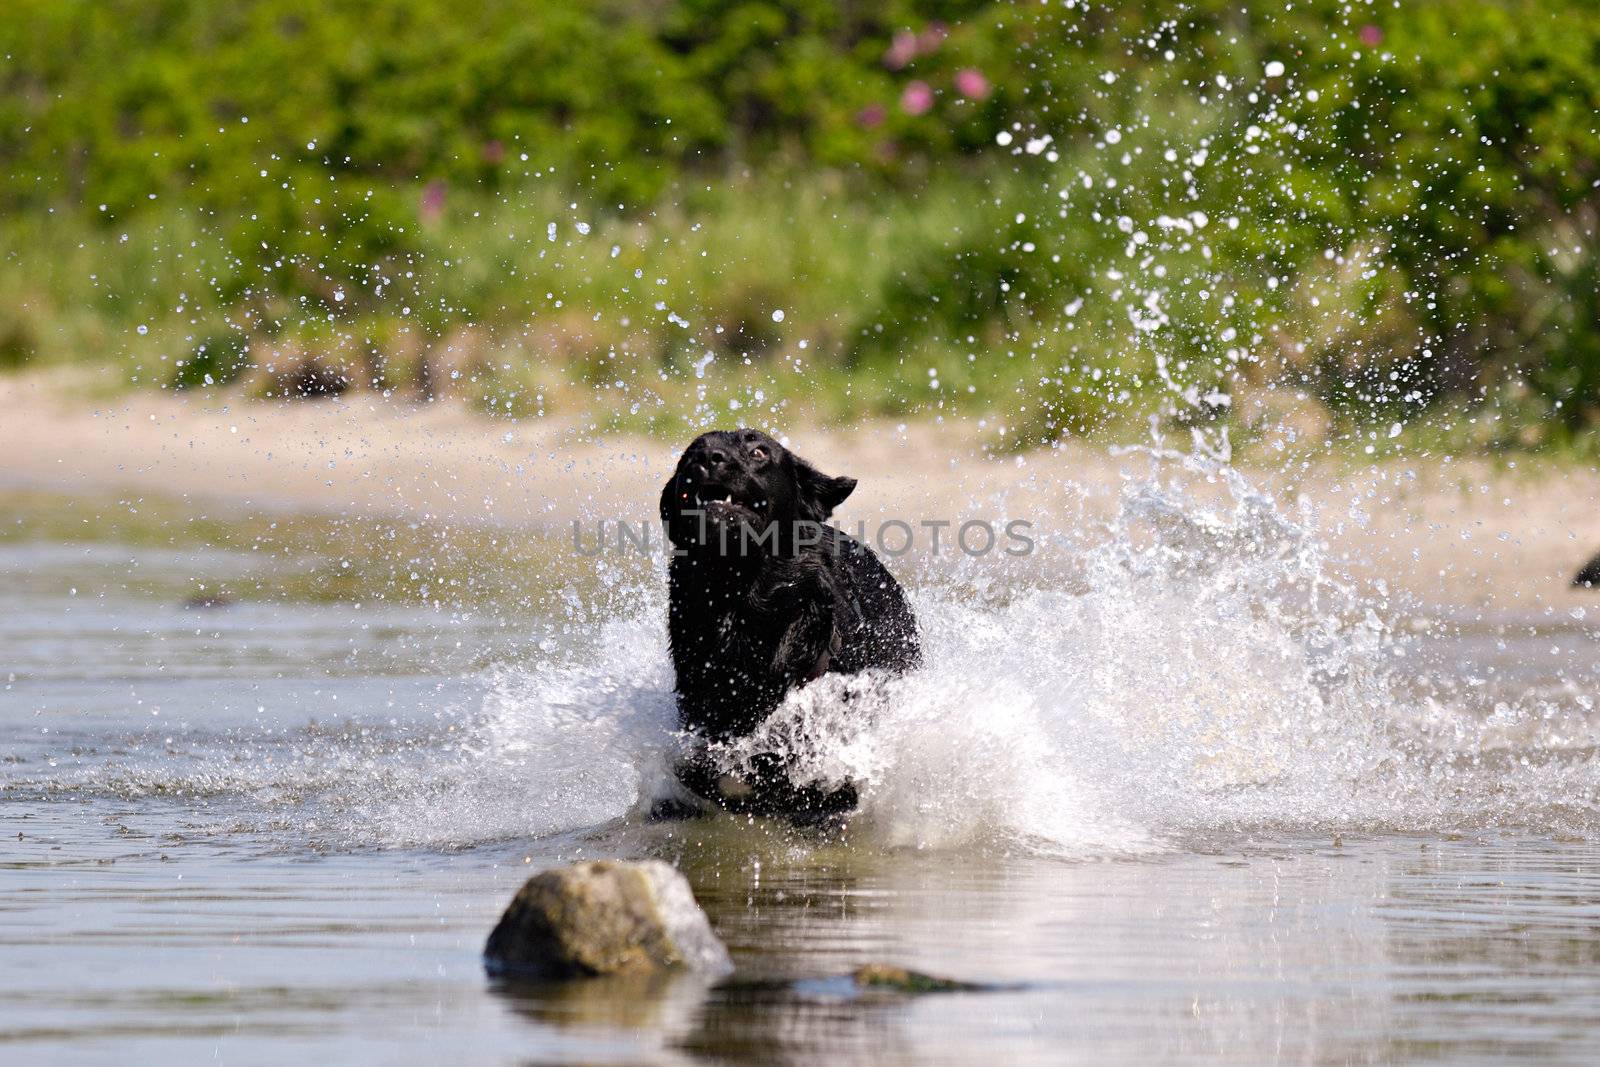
(1070, 216)
(217, 360)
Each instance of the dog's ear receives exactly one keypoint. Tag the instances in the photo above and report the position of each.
(816, 494)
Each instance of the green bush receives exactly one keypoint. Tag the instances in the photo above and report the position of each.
(218, 360)
(1405, 212)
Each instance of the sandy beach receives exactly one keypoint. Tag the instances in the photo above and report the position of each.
(1463, 532)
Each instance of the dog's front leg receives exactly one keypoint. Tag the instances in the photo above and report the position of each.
(809, 643)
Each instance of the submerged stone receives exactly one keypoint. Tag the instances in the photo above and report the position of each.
(604, 917)
(888, 976)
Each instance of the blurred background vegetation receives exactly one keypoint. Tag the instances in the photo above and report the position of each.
(1325, 219)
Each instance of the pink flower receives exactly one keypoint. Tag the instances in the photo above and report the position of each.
(1371, 36)
(972, 84)
(931, 38)
(902, 51)
(871, 116)
(917, 99)
(432, 201)
(493, 152)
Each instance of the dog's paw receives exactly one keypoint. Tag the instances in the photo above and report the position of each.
(674, 809)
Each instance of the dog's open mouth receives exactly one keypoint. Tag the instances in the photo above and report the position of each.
(721, 502)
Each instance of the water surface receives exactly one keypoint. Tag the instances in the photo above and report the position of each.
(281, 829)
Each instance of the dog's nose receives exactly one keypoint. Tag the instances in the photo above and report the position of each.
(709, 462)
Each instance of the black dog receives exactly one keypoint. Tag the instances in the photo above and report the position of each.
(765, 597)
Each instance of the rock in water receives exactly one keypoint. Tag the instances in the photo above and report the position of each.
(888, 976)
(604, 917)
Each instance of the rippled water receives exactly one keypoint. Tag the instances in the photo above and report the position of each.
(1190, 803)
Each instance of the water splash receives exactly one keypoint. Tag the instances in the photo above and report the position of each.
(1202, 669)
(1216, 674)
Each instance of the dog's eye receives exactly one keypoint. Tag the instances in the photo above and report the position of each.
(758, 452)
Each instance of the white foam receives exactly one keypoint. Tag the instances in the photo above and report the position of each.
(569, 745)
(1208, 673)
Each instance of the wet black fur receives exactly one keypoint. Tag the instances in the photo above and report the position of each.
(764, 597)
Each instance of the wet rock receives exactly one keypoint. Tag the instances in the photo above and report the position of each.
(290, 371)
(312, 377)
(605, 917)
(887, 976)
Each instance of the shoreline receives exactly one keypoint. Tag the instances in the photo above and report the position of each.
(1459, 532)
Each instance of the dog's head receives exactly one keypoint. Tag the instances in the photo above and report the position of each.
(733, 488)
